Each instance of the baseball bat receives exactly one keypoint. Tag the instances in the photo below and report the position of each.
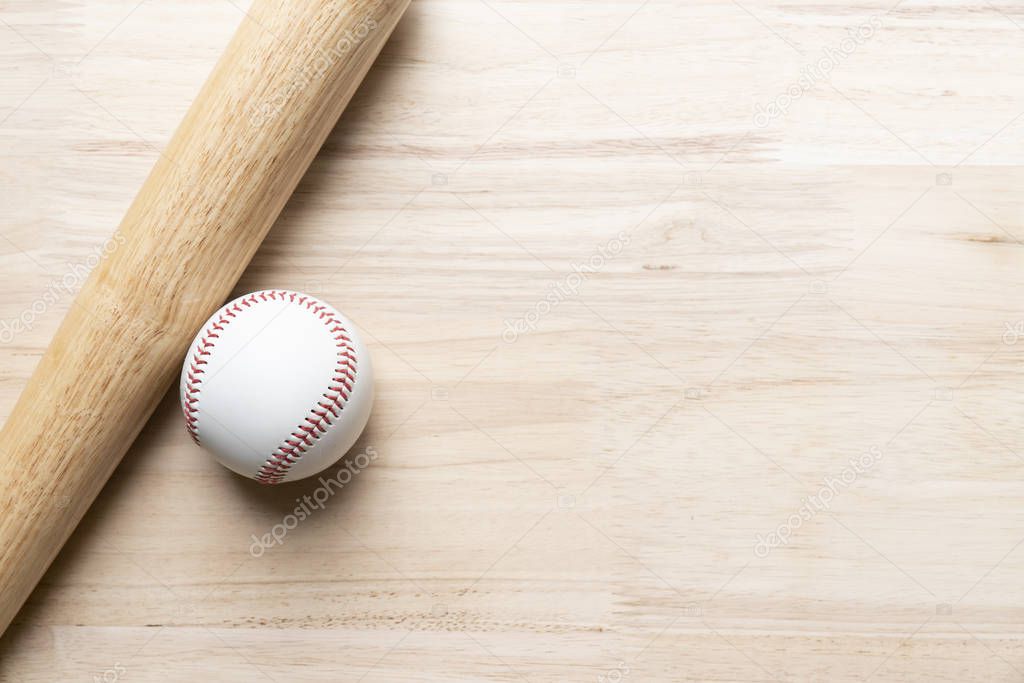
(272, 99)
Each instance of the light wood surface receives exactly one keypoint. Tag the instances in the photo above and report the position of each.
(202, 213)
(581, 503)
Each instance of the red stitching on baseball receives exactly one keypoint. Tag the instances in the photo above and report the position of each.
(309, 431)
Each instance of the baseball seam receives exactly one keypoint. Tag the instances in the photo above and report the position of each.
(318, 419)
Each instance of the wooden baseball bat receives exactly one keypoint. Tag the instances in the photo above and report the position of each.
(252, 132)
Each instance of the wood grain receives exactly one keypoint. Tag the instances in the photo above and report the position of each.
(589, 496)
(191, 231)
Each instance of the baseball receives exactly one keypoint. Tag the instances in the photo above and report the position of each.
(277, 386)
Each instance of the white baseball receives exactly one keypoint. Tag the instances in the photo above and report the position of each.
(277, 386)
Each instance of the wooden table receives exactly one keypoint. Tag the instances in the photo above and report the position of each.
(641, 280)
